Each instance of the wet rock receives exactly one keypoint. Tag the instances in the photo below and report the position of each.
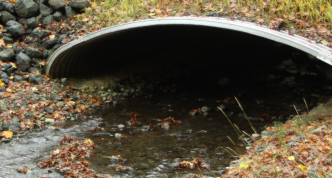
(312, 175)
(18, 79)
(117, 135)
(29, 40)
(57, 16)
(115, 159)
(49, 110)
(44, 10)
(79, 4)
(23, 61)
(7, 54)
(6, 16)
(267, 133)
(261, 148)
(65, 108)
(26, 8)
(35, 78)
(205, 109)
(64, 170)
(121, 126)
(63, 80)
(223, 81)
(194, 112)
(14, 126)
(165, 126)
(59, 104)
(49, 121)
(33, 52)
(5, 67)
(57, 4)
(206, 114)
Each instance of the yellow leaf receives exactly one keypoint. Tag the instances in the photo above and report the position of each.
(158, 11)
(1, 83)
(322, 8)
(151, 14)
(88, 141)
(291, 158)
(51, 36)
(303, 168)
(85, 19)
(1, 27)
(243, 165)
(11, 77)
(56, 151)
(7, 134)
(9, 90)
(13, 65)
(9, 46)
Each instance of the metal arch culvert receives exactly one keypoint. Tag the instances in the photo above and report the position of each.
(66, 59)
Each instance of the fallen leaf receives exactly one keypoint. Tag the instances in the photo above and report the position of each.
(7, 134)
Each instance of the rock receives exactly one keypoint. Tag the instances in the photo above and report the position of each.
(63, 80)
(69, 12)
(44, 10)
(8, 7)
(29, 40)
(4, 77)
(49, 43)
(205, 109)
(57, 16)
(35, 78)
(194, 112)
(261, 148)
(7, 54)
(33, 52)
(165, 126)
(8, 40)
(57, 4)
(222, 107)
(64, 170)
(14, 126)
(47, 20)
(319, 129)
(26, 8)
(5, 67)
(60, 104)
(43, 33)
(34, 70)
(115, 159)
(254, 136)
(23, 61)
(15, 28)
(117, 135)
(121, 126)
(23, 21)
(65, 108)
(49, 121)
(41, 1)
(6, 16)
(18, 79)
(312, 175)
(79, 4)
(49, 110)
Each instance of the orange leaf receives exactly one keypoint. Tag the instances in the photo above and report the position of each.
(7, 134)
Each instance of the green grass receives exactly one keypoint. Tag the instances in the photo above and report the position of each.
(299, 16)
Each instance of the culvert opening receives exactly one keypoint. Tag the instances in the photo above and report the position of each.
(190, 67)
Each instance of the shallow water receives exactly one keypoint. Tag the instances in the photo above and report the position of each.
(156, 153)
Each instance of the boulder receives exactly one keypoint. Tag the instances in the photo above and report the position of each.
(40, 2)
(23, 61)
(35, 78)
(57, 4)
(7, 54)
(29, 40)
(44, 10)
(8, 7)
(15, 28)
(4, 77)
(43, 33)
(33, 52)
(50, 43)
(6, 16)
(5, 67)
(32, 22)
(57, 16)
(26, 8)
(79, 4)
(69, 12)
(47, 20)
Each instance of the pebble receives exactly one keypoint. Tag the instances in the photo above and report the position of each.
(121, 126)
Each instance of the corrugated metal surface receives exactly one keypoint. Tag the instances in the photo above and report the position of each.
(90, 51)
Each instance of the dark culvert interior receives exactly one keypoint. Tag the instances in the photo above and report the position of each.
(191, 67)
